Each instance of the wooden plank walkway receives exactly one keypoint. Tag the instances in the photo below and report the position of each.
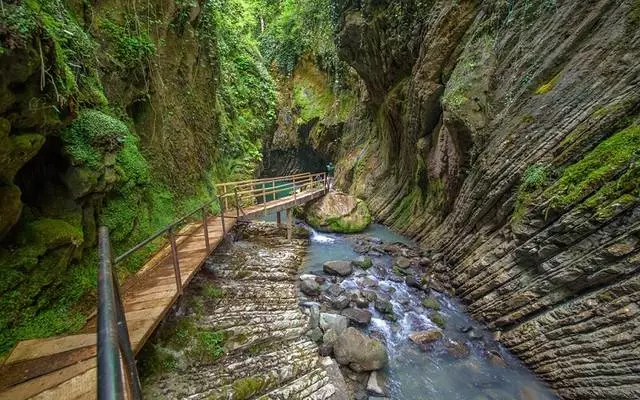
(65, 367)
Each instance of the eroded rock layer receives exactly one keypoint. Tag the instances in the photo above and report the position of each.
(241, 332)
(505, 136)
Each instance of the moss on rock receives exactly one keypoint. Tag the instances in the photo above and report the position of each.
(609, 170)
(339, 213)
(11, 208)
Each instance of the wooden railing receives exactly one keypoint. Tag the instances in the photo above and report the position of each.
(242, 194)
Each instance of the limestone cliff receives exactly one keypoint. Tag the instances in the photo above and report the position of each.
(505, 136)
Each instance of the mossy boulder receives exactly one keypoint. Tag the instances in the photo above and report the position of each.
(338, 213)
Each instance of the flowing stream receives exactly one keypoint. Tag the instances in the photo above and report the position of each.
(489, 371)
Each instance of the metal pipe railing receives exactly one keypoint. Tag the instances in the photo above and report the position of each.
(114, 347)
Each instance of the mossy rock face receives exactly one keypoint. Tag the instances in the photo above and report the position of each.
(11, 208)
(16, 151)
(338, 213)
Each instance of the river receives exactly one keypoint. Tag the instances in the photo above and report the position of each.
(489, 371)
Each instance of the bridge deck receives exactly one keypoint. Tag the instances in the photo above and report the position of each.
(65, 367)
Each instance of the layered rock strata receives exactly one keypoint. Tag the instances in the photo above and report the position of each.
(504, 136)
(254, 307)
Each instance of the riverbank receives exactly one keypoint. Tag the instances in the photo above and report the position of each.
(238, 333)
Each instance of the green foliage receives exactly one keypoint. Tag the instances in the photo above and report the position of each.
(547, 87)
(211, 343)
(245, 388)
(74, 71)
(210, 290)
(535, 177)
(247, 92)
(93, 135)
(614, 155)
(465, 78)
(132, 48)
(299, 28)
(157, 360)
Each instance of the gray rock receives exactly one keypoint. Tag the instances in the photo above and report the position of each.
(333, 321)
(329, 337)
(359, 352)
(383, 305)
(402, 262)
(426, 337)
(370, 295)
(412, 282)
(360, 300)
(361, 395)
(315, 335)
(475, 334)
(310, 287)
(457, 349)
(325, 350)
(358, 316)
(341, 302)
(314, 317)
(377, 384)
(338, 268)
(334, 290)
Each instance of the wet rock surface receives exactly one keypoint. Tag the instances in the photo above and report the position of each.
(239, 332)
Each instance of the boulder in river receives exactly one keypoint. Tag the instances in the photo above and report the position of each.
(437, 319)
(426, 337)
(314, 317)
(359, 352)
(383, 305)
(402, 262)
(338, 212)
(357, 315)
(431, 303)
(310, 287)
(377, 383)
(333, 321)
(339, 268)
(457, 349)
(363, 262)
(412, 282)
(341, 302)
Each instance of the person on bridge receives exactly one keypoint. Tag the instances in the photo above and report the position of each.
(330, 169)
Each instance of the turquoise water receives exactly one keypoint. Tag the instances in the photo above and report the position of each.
(435, 374)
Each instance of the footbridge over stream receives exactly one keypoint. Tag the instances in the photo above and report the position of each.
(99, 361)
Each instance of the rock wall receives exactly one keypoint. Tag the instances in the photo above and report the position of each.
(112, 113)
(505, 136)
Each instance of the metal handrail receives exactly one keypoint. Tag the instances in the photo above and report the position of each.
(114, 346)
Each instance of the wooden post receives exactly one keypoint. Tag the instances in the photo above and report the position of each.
(279, 219)
(289, 224)
(205, 224)
(176, 263)
(235, 190)
(224, 230)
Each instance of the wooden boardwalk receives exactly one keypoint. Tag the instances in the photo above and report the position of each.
(65, 367)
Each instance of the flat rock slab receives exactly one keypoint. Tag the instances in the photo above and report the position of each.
(339, 268)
